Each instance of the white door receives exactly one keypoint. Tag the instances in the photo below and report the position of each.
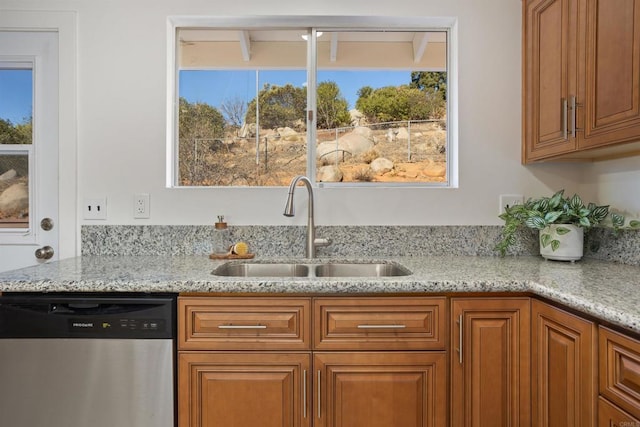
(28, 148)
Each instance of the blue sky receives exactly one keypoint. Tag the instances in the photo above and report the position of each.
(15, 95)
(213, 87)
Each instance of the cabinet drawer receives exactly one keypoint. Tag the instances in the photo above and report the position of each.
(232, 323)
(620, 370)
(380, 323)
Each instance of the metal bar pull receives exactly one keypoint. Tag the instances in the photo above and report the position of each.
(242, 327)
(572, 106)
(304, 393)
(460, 331)
(565, 114)
(319, 392)
(398, 326)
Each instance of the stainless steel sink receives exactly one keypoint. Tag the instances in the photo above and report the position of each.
(358, 269)
(296, 269)
(247, 269)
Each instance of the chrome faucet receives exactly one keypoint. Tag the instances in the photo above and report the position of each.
(312, 241)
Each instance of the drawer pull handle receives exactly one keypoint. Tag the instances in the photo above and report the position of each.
(382, 326)
(242, 327)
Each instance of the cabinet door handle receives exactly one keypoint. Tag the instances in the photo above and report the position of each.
(304, 393)
(565, 118)
(460, 331)
(242, 327)
(398, 326)
(572, 106)
(319, 392)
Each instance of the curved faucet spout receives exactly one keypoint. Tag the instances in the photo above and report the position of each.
(312, 242)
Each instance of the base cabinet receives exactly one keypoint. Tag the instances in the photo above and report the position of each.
(563, 368)
(619, 379)
(244, 390)
(490, 372)
(380, 389)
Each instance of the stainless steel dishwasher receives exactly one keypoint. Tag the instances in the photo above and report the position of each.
(80, 360)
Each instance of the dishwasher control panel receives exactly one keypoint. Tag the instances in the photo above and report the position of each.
(75, 316)
(121, 327)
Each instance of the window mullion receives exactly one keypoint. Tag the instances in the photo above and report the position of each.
(312, 46)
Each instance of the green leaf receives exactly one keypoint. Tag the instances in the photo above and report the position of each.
(634, 224)
(535, 222)
(545, 239)
(617, 220)
(562, 230)
(584, 221)
(576, 202)
(556, 199)
(555, 244)
(550, 217)
(600, 213)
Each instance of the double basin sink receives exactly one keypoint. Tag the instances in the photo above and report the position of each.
(304, 269)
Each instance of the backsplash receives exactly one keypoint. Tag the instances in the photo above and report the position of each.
(348, 241)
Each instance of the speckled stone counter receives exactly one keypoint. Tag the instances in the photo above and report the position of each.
(607, 290)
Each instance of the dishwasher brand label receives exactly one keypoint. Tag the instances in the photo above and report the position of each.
(82, 325)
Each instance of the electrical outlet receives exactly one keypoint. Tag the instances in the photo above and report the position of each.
(507, 200)
(141, 207)
(94, 208)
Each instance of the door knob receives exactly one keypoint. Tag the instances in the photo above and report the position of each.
(46, 224)
(45, 252)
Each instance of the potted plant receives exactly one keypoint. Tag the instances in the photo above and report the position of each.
(561, 222)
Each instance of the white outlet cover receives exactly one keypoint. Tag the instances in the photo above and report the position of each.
(94, 208)
(509, 200)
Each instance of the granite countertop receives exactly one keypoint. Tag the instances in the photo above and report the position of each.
(607, 290)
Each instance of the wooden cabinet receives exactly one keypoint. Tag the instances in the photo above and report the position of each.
(268, 383)
(380, 323)
(249, 361)
(244, 389)
(244, 323)
(563, 368)
(490, 372)
(381, 389)
(581, 79)
(619, 376)
(388, 385)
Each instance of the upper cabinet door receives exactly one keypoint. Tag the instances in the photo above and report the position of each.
(612, 71)
(550, 71)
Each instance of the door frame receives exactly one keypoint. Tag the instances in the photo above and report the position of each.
(64, 23)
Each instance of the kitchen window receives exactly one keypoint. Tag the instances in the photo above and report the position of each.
(242, 112)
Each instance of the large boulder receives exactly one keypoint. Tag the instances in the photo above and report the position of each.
(288, 134)
(363, 131)
(357, 118)
(381, 165)
(329, 173)
(434, 170)
(351, 144)
(402, 133)
(10, 174)
(355, 144)
(14, 200)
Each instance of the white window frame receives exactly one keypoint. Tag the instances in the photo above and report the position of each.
(327, 23)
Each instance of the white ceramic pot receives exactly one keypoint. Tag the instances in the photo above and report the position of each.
(563, 242)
